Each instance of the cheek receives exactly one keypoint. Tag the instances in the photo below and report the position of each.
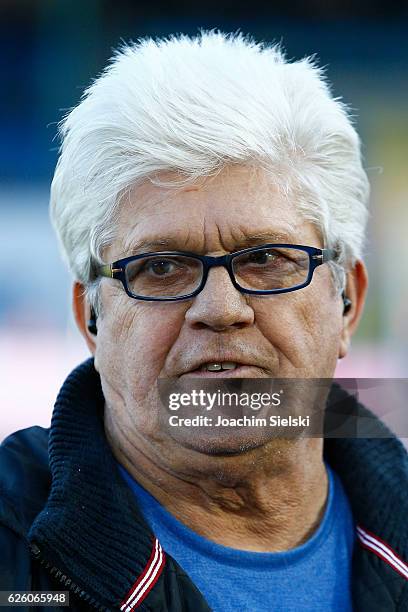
(321, 322)
(305, 331)
(150, 335)
(133, 342)
(286, 325)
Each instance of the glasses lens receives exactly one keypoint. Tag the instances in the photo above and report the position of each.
(271, 268)
(164, 276)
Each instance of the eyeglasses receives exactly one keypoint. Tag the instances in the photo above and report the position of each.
(177, 275)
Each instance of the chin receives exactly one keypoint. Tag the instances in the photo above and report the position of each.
(220, 444)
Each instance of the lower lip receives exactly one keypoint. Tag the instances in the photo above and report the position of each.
(239, 372)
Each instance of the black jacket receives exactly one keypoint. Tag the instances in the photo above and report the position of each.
(69, 522)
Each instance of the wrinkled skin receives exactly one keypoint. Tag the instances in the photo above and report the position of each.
(300, 334)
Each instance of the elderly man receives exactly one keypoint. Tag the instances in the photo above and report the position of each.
(211, 203)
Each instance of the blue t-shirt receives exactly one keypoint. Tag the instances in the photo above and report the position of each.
(312, 577)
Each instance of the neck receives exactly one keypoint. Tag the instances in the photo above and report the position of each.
(268, 499)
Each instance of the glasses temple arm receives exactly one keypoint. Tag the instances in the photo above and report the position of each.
(329, 255)
(105, 270)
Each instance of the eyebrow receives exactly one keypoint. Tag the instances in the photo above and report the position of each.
(265, 238)
(174, 244)
(146, 246)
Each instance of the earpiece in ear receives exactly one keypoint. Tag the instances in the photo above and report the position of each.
(346, 303)
(92, 323)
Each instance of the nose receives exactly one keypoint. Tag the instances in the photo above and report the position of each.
(219, 306)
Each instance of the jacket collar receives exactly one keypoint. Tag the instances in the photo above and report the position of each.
(373, 468)
(92, 530)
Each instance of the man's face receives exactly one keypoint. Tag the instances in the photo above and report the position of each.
(293, 335)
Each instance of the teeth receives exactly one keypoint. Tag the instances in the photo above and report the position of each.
(217, 367)
(228, 365)
(213, 367)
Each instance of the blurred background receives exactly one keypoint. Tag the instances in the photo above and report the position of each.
(51, 49)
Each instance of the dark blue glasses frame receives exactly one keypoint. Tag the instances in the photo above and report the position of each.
(317, 257)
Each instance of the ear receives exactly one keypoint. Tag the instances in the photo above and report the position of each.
(356, 291)
(82, 314)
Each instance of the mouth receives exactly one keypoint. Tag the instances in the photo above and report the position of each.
(214, 366)
(223, 369)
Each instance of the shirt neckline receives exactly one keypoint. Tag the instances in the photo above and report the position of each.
(229, 555)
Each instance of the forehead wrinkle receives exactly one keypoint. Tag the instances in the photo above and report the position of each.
(186, 243)
(215, 234)
(208, 239)
(165, 243)
(191, 242)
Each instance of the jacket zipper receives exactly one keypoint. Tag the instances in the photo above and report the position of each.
(66, 581)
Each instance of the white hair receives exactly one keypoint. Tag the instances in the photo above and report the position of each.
(192, 105)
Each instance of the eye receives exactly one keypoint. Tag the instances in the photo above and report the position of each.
(261, 258)
(160, 267)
